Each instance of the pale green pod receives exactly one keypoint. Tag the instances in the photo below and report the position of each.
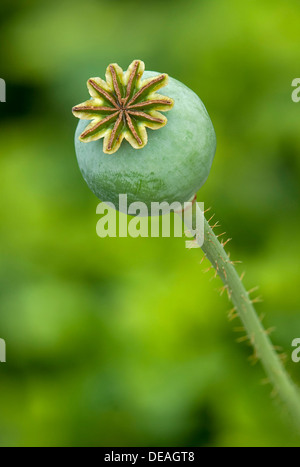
(172, 166)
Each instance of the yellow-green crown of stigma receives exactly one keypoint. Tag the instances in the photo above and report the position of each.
(123, 106)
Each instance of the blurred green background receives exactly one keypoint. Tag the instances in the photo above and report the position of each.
(125, 342)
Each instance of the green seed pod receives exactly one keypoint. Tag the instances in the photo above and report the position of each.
(170, 165)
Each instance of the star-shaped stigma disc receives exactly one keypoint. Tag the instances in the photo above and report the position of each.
(123, 106)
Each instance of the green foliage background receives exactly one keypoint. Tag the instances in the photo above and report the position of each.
(124, 342)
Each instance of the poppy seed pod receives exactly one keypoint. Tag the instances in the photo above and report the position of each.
(170, 164)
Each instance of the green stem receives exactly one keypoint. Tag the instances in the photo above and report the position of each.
(257, 335)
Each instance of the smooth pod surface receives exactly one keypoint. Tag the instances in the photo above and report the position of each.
(171, 167)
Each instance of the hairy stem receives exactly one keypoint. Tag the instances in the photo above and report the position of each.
(244, 308)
